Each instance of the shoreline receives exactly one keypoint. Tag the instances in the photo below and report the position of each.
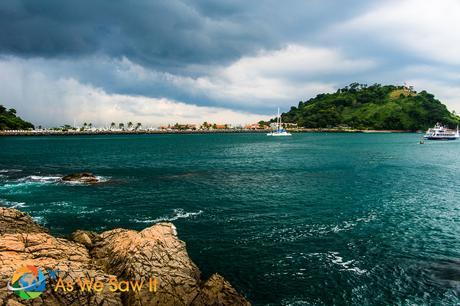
(159, 132)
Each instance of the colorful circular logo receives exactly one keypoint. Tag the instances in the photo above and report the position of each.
(28, 282)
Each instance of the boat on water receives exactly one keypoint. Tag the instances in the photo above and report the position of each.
(280, 131)
(440, 132)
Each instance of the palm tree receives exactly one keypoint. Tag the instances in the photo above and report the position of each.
(121, 126)
(130, 125)
(138, 125)
(90, 125)
(112, 125)
(85, 125)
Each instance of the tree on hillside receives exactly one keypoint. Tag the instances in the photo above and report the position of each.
(10, 121)
(262, 124)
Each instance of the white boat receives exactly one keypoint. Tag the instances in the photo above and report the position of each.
(280, 131)
(439, 132)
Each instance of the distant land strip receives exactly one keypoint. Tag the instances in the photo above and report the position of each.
(298, 130)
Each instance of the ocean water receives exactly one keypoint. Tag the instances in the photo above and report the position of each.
(313, 219)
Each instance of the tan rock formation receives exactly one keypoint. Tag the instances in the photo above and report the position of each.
(217, 291)
(122, 254)
(84, 177)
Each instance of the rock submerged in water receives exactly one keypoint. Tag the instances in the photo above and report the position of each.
(83, 177)
(124, 254)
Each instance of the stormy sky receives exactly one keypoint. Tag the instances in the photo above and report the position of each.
(160, 62)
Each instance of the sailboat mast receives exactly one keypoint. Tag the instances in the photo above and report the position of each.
(279, 120)
(280, 117)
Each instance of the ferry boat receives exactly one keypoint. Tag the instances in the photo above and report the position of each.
(280, 131)
(439, 132)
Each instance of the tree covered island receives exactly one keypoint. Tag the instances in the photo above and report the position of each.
(374, 107)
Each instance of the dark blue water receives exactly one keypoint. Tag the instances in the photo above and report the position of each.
(312, 219)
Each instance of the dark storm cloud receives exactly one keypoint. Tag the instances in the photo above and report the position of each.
(165, 34)
(156, 33)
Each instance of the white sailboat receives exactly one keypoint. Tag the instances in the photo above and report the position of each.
(280, 131)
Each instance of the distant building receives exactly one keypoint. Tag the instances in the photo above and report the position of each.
(165, 127)
(256, 126)
(286, 125)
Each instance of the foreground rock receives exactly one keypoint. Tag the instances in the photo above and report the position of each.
(124, 254)
(84, 177)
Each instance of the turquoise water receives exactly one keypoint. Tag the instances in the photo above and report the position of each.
(312, 219)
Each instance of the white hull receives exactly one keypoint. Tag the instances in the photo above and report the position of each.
(275, 134)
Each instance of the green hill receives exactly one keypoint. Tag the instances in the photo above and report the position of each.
(9, 120)
(378, 107)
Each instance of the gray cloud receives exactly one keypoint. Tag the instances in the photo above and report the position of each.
(245, 56)
(165, 34)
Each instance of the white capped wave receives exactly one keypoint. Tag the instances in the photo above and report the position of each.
(103, 179)
(12, 204)
(345, 226)
(17, 187)
(39, 178)
(368, 218)
(71, 182)
(349, 265)
(60, 203)
(178, 214)
(9, 170)
(294, 301)
(49, 179)
(26, 184)
(87, 211)
(39, 219)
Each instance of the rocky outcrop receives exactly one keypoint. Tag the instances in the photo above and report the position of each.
(13, 221)
(217, 291)
(84, 177)
(122, 254)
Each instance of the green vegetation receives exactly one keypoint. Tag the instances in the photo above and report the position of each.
(378, 107)
(9, 120)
